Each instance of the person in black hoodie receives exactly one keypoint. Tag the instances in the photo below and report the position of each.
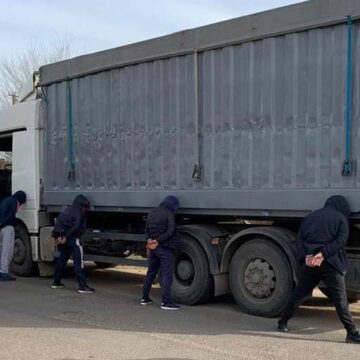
(160, 232)
(69, 226)
(321, 244)
(8, 209)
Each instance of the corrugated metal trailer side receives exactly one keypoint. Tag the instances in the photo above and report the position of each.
(242, 117)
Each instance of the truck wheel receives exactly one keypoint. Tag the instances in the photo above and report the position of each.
(325, 291)
(102, 265)
(353, 297)
(260, 278)
(192, 283)
(22, 263)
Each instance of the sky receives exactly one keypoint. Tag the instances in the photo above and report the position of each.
(95, 25)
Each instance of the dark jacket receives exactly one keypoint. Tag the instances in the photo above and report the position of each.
(8, 208)
(160, 223)
(71, 222)
(326, 230)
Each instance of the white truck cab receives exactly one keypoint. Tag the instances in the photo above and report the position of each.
(20, 134)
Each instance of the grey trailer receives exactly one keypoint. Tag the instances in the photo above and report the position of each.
(243, 117)
(252, 123)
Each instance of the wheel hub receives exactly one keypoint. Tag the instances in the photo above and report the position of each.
(185, 269)
(259, 278)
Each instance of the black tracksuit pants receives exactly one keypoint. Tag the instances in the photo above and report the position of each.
(160, 259)
(336, 288)
(74, 249)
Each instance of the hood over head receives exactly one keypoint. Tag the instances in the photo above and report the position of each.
(171, 202)
(20, 196)
(81, 202)
(338, 203)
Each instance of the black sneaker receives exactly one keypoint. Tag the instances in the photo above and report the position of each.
(353, 338)
(282, 326)
(6, 277)
(146, 301)
(85, 290)
(169, 306)
(57, 285)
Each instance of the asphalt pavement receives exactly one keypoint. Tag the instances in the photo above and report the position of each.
(39, 323)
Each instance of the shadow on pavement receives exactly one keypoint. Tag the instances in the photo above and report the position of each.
(29, 302)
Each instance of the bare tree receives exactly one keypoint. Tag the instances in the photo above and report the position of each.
(15, 70)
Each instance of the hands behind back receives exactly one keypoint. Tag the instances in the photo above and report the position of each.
(61, 240)
(152, 244)
(314, 260)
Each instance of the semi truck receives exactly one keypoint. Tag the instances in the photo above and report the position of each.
(252, 123)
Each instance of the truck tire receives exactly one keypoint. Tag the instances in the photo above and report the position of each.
(353, 296)
(192, 283)
(22, 263)
(260, 278)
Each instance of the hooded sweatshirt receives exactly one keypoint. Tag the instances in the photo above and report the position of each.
(326, 230)
(160, 223)
(8, 208)
(71, 221)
